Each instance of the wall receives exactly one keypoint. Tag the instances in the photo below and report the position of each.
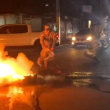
(63, 30)
(75, 25)
(68, 28)
(10, 19)
(2, 21)
(7, 19)
(69, 31)
(36, 24)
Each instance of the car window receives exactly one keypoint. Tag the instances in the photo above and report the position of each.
(20, 29)
(6, 30)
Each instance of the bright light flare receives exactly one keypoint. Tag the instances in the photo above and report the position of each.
(89, 24)
(89, 38)
(73, 38)
(11, 69)
(46, 5)
(8, 71)
(72, 43)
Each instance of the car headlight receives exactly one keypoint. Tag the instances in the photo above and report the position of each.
(74, 38)
(89, 38)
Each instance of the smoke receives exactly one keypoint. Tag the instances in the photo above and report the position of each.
(25, 63)
(50, 78)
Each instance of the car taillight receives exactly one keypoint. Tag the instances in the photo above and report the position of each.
(57, 36)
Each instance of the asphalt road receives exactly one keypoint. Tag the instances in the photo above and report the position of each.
(86, 87)
(72, 60)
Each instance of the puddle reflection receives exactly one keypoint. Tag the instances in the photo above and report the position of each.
(81, 78)
(28, 96)
(80, 74)
(82, 82)
(89, 78)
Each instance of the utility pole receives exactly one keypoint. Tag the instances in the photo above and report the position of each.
(58, 18)
(101, 13)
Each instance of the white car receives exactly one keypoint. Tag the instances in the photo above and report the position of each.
(83, 37)
(19, 35)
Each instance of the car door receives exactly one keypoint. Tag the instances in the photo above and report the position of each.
(5, 32)
(14, 35)
(20, 35)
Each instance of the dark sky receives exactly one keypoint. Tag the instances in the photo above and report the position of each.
(68, 7)
(27, 6)
(35, 6)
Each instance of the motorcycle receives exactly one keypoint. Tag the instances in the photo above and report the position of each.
(102, 45)
(90, 52)
(105, 44)
(104, 40)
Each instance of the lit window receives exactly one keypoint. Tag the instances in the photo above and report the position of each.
(47, 5)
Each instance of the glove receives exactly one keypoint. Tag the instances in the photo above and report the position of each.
(52, 49)
(44, 47)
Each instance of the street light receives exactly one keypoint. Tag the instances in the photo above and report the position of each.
(47, 5)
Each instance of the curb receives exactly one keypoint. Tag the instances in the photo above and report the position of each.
(63, 45)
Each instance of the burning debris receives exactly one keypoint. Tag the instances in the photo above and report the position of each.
(11, 69)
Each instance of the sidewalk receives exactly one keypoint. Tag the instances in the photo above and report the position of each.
(65, 42)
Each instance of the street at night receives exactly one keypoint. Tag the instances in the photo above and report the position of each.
(54, 55)
(72, 59)
(81, 84)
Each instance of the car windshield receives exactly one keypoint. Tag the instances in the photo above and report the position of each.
(83, 32)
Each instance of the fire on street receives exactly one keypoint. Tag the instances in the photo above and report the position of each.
(69, 90)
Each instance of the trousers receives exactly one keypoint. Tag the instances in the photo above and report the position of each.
(45, 56)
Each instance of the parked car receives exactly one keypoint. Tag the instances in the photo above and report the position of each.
(19, 35)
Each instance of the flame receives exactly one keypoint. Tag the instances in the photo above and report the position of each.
(12, 69)
(17, 94)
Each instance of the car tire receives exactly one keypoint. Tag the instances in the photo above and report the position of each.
(37, 46)
(106, 47)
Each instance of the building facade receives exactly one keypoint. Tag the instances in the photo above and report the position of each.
(34, 21)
